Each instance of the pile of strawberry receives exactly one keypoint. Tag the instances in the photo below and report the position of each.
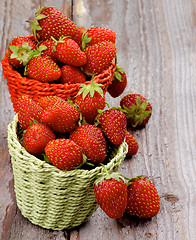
(71, 134)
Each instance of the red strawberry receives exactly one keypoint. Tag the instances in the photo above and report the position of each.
(113, 124)
(138, 109)
(142, 198)
(89, 99)
(71, 75)
(99, 57)
(111, 194)
(132, 144)
(69, 52)
(43, 69)
(28, 110)
(20, 50)
(50, 50)
(119, 83)
(45, 101)
(64, 153)
(90, 138)
(61, 117)
(36, 138)
(97, 34)
(51, 22)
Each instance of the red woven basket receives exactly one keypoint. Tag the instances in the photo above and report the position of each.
(19, 85)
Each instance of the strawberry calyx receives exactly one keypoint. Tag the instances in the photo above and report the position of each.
(137, 112)
(85, 39)
(105, 175)
(23, 53)
(90, 88)
(35, 24)
(134, 178)
(118, 73)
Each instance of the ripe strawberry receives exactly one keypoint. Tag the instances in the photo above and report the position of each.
(97, 34)
(142, 198)
(51, 22)
(90, 138)
(119, 83)
(138, 109)
(45, 101)
(61, 117)
(69, 52)
(65, 154)
(89, 99)
(36, 138)
(132, 144)
(71, 75)
(99, 57)
(28, 110)
(50, 50)
(43, 69)
(113, 124)
(111, 194)
(20, 50)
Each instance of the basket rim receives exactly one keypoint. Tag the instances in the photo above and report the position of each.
(40, 165)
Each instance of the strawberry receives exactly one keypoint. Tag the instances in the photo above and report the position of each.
(50, 50)
(89, 99)
(28, 110)
(65, 154)
(119, 82)
(36, 137)
(142, 198)
(138, 109)
(90, 138)
(51, 22)
(43, 69)
(99, 57)
(61, 117)
(71, 75)
(45, 101)
(111, 194)
(69, 52)
(97, 34)
(20, 50)
(113, 124)
(132, 144)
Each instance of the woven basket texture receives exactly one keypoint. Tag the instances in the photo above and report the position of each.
(53, 198)
(19, 85)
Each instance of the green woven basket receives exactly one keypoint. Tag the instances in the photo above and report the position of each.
(49, 197)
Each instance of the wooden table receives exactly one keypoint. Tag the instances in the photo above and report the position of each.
(156, 42)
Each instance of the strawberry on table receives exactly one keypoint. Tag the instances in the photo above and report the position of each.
(71, 75)
(97, 34)
(142, 198)
(119, 82)
(43, 69)
(89, 99)
(61, 117)
(20, 50)
(90, 138)
(65, 154)
(132, 144)
(36, 137)
(28, 110)
(51, 22)
(138, 109)
(113, 124)
(111, 194)
(99, 57)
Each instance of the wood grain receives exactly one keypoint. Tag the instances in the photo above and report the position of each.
(156, 47)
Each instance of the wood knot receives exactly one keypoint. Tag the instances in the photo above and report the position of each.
(171, 198)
